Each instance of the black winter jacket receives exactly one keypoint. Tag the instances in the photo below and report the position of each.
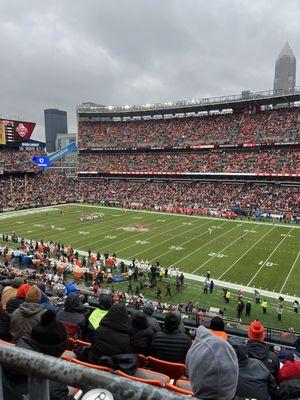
(142, 340)
(171, 347)
(261, 351)
(289, 390)
(4, 325)
(114, 334)
(255, 381)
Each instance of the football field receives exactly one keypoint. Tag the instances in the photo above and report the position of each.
(253, 254)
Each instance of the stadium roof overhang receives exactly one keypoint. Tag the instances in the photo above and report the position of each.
(234, 102)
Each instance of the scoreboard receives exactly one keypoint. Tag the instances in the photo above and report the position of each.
(12, 131)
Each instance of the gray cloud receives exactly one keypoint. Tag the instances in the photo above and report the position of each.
(60, 53)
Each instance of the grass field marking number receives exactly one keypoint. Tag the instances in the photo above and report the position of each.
(217, 255)
(267, 264)
(286, 235)
(176, 248)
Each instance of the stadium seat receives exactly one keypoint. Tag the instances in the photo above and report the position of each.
(79, 342)
(177, 389)
(94, 366)
(7, 343)
(142, 360)
(146, 376)
(68, 355)
(173, 370)
(183, 384)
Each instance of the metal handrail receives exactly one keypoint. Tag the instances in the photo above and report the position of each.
(40, 368)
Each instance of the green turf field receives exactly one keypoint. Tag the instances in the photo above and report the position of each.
(268, 257)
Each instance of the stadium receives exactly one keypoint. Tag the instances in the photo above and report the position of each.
(149, 248)
(206, 188)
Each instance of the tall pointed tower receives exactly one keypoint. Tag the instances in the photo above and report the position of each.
(285, 69)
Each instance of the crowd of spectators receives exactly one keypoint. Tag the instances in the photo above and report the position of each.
(116, 334)
(269, 161)
(17, 160)
(46, 188)
(263, 127)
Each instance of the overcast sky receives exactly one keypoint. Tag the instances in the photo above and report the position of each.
(60, 53)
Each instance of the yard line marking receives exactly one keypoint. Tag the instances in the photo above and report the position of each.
(219, 252)
(133, 236)
(258, 271)
(180, 244)
(93, 229)
(167, 240)
(243, 255)
(289, 274)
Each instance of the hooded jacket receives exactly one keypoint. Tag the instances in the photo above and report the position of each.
(73, 313)
(212, 366)
(114, 334)
(260, 350)
(15, 384)
(148, 310)
(255, 380)
(24, 319)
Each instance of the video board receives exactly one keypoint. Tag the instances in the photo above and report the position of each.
(12, 131)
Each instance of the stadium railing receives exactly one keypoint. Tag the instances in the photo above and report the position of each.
(41, 368)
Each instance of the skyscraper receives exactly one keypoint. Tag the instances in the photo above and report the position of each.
(285, 69)
(55, 122)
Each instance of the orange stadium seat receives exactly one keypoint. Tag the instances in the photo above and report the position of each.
(94, 366)
(146, 376)
(173, 370)
(177, 389)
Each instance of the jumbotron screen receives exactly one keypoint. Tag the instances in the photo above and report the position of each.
(12, 131)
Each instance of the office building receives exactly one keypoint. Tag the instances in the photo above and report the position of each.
(55, 122)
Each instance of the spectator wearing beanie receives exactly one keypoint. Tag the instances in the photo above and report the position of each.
(255, 380)
(10, 291)
(48, 337)
(142, 333)
(14, 303)
(258, 349)
(171, 345)
(27, 316)
(212, 366)
(72, 316)
(217, 327)
(148, 310)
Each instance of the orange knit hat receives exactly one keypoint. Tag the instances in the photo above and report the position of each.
(22, 291)
(256, 331)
